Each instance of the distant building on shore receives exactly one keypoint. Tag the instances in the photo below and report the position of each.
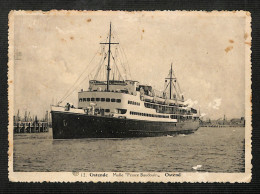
(224, 122)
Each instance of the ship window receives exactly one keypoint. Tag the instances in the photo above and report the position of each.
(118, 100)
(113, 100)
(84, 99)
(142, 114)
(102, 99)
(80, 99)
(107, 110)
(122, 111)
(129, 102)
(92, 99)
(130, 112)
(88, 99)
(107, 99)
(97, 99)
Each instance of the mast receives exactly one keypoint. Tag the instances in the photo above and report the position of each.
(171, 83)
(170, 78)
(108, 63)
(109, 51)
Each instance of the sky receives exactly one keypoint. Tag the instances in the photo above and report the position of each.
(207, 52)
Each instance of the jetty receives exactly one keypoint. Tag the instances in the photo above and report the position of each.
(29, 124)
(31, 127)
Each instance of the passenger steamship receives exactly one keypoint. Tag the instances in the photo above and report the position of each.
(121, 108)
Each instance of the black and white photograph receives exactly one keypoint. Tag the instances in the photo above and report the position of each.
(142, 96)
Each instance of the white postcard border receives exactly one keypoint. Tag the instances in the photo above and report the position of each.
(132, 176)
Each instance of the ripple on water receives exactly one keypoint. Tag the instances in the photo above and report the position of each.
(219, 150)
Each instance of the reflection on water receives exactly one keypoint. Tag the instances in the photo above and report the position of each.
(208, 150)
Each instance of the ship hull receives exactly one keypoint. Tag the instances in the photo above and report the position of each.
(66, 125)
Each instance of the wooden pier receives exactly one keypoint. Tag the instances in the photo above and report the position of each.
(31, 127)
(29, 124)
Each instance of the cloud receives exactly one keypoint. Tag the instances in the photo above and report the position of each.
(203, 114)
(190, 102)
(215, 104)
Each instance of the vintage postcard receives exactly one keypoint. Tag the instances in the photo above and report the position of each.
(142, 96)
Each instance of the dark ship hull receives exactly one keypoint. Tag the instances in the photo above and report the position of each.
(66, 125)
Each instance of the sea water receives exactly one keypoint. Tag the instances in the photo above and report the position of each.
(206, 150)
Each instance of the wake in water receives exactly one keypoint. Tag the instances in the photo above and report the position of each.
(196, 167)
(182, 135)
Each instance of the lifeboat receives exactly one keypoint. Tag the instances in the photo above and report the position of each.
(159, 100)
(148, 98)
(171, 102)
